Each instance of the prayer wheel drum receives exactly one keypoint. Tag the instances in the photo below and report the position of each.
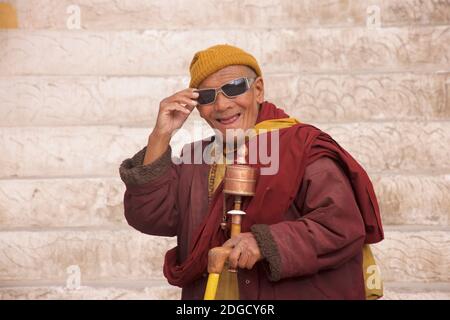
(240, 180)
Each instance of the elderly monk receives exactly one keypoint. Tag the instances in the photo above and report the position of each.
(306, 230)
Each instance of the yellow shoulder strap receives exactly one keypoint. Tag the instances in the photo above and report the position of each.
(276, 124)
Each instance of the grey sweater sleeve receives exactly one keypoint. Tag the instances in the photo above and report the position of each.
(132, 172)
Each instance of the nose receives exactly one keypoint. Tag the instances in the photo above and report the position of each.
(222, 103)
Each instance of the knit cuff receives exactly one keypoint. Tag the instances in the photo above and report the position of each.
(132, 172)
(268, 249)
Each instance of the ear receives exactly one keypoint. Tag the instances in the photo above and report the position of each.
(259, 90)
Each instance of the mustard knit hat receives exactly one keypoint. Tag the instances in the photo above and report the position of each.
(210, 60)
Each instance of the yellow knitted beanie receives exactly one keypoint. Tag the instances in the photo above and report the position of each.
(210, 60)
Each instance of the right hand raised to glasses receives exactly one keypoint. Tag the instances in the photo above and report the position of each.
(174, 110)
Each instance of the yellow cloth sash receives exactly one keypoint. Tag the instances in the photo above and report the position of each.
(372, 278)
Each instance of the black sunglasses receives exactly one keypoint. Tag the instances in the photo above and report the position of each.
(231, 89)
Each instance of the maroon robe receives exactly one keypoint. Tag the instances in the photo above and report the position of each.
(310, 220)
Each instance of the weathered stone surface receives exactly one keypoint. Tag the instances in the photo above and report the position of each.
(410, 146)
(80, 202)
(417, 291)
(416, 12)
(416, 295)
(73, 151)
(126, 290)
(84, 100)
(389, 96)
(100, 254)
(162, 52)
(447, 89)
(66, 151)
(142, 14)
(83, 202)
(414, 254)
(59, 101)
(82, 151)
(413, 199)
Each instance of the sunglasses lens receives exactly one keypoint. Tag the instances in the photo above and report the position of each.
(206, 96)
(232, 89)
(235, 88)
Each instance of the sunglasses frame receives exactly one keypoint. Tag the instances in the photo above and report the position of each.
(249, 82)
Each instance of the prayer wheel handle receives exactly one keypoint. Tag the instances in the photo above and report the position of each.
(236, 221)
(216, 260)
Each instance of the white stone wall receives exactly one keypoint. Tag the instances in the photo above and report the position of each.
(75, 102)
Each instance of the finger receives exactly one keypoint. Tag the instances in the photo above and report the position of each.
(177, 107)
(190, 93)
(230, 243)
(233, 241)
(234, 257)
(243, 259)
(190, 103)
(250, 263)
(194, 93)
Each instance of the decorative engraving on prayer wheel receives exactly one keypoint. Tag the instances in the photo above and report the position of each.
(240, 180)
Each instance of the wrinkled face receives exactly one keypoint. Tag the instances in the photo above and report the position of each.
(239, 112)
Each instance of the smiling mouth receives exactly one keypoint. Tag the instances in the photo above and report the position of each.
(229, 120)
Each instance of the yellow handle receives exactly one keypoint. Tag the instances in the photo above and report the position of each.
(211, 286)
(235, 229)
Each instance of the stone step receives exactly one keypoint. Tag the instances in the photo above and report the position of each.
(162, 52)
(158, 290)
(413, 254)
(64, 202)
(112, 290)
(415, 147)
(413, 199)
(97, 202)
(100, 254)
(416, 291)
(144, 14)
(131, 101)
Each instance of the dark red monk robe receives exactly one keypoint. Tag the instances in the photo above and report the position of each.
(313, 253)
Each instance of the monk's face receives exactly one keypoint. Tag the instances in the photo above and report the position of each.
(239, 112)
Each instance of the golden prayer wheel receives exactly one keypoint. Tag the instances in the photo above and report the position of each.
(240, 180)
